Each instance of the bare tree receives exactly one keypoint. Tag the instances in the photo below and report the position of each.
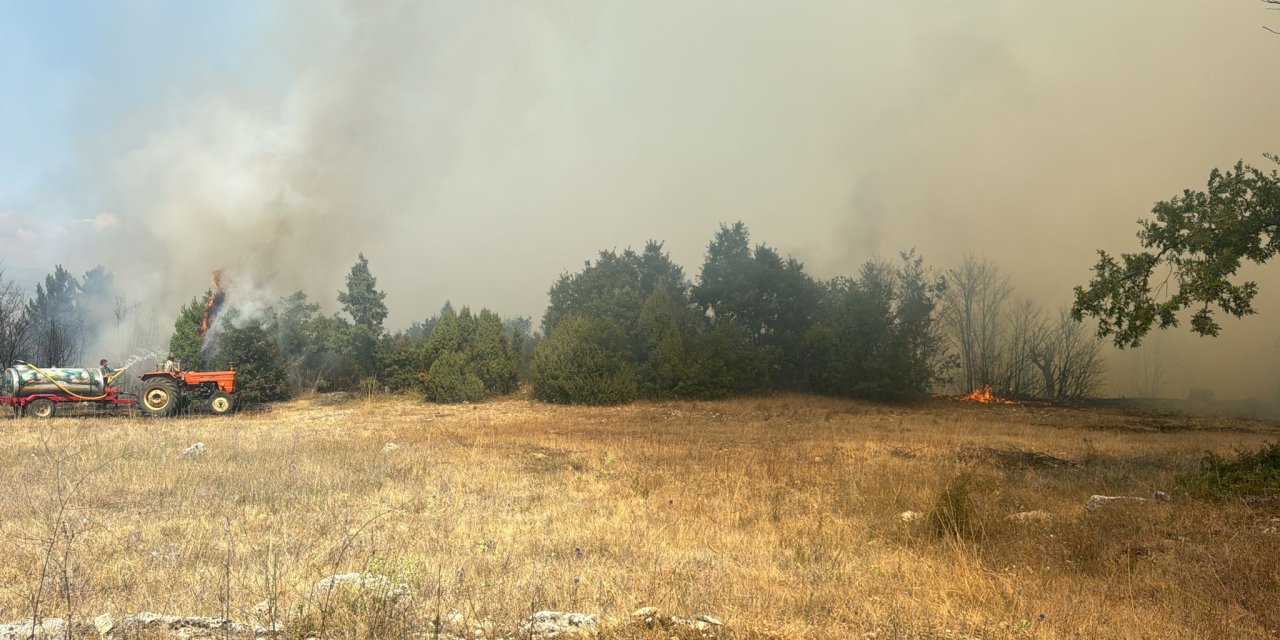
(1149, 366)
(13, 322)
(1067, 357)
(972, 313)
(1020, 376)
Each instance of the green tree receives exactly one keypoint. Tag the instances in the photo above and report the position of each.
(684, 358)
(328, 364)
(451, 379)
(255, 354)
(523, 341)
(614, 287)
(770, 297)
(186, 344)
(362, 300)
(878, 336)
(56, 326)
(402, 362)
(293, 314)
(468, 357)
(583, 361)
(490, 354)
(1193, 249)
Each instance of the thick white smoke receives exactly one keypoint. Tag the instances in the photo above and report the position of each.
(474, 151)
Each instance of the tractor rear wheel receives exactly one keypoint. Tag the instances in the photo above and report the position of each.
(221, 403)
(41, 408)
(159, 397)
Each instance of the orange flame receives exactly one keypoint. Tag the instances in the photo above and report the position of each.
(214, 304)
(984, 396)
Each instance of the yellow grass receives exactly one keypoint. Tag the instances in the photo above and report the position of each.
(778, 516)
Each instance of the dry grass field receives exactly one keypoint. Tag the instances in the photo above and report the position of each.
(779, 516)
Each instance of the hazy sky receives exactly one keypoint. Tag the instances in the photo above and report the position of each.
(475, 150)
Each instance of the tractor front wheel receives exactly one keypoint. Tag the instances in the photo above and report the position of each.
(221, 403)
(41, 408)
(159, 397)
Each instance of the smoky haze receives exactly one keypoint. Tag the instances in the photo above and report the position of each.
(474, 151)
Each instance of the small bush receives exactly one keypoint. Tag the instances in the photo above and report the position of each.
(1251, 473)
(953, 513)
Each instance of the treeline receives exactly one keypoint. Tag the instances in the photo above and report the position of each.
(631, 325)
(65, 316)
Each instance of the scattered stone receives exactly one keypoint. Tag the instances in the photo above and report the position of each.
(1101, 502)
(24, 630)
(180, 627)
(559, 624)
(389, 447)
(911, 516)
(702, 626)
(194, 451)
(647, 615)
(104, 624)
(1030, 516)
(363, 583)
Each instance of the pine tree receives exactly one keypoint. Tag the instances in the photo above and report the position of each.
(364, 303)
(186, 343)
(362, 300)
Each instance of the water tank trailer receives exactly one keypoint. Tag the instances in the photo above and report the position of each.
(30, 390)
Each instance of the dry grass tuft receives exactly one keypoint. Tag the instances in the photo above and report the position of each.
(777, 515)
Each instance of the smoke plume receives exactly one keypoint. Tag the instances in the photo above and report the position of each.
(474, 151)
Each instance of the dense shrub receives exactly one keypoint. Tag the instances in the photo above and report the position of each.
(450, 379)
(255, 354)
(583, 361)
(470, 357)
(1250, 473)
(401, 363)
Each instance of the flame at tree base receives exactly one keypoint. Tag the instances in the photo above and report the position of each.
(984, 396)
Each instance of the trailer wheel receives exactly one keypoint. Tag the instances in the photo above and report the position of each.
(159, 397)
(221, 403)
(41, 408)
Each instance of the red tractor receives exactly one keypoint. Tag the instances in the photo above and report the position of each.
(164, 392)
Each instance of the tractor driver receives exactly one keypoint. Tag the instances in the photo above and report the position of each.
(171, 365)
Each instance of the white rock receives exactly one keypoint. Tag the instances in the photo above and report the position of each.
(389, 447)
(195, 450)
(23, 630)
(645, 612)
(559, 624)
(1101, 502)
(1030, 516)
(104, 624)
(364, 583)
